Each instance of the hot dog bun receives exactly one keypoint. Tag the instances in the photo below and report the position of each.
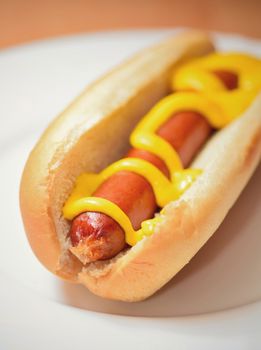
(83, 139)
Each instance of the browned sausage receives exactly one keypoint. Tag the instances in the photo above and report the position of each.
(186, 132)
(103, 238)
(229, 79)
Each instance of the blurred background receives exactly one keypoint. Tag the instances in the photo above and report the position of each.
(26, 20)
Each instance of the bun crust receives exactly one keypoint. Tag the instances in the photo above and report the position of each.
(108, 108)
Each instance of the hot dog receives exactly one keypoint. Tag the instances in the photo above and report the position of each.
(132, 193)
(125, 193)
(186, 132)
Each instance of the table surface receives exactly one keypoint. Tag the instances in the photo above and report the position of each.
(26, 20)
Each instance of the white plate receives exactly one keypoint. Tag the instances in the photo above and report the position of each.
(214, 301)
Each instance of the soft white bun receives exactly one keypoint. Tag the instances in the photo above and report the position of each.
(83, 139)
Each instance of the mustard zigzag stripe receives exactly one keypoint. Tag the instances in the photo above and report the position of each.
(217, 104)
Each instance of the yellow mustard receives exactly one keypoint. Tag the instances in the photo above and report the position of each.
(197, 75)
(218, 108)
(164, 189)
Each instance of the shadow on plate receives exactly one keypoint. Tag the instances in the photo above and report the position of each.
(224, 274)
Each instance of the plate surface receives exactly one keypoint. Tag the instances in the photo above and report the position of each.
(214, 301)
